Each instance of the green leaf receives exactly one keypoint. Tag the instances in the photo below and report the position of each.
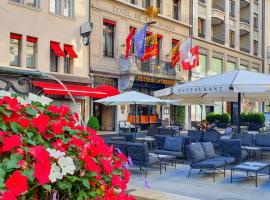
(64, 185)
(29, 174)
(8, 113)
(2, 124)
(15, 127)
(82, 195)
(85, 182)
(2, 171)
(72, 178)
(31, 111)
(47, 187)
(2, 183)
(90, 174)
(29, 141)
(12, 162)
(41, 108)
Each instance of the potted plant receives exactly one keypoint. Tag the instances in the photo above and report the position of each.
(46, 153)
(93, 123)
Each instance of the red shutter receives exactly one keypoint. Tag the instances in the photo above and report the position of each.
(31, 39)
(15, 36)
(107, 21)
(149, 33)
(70, 51)
(175, 41)
(55, 46)
(159, 36)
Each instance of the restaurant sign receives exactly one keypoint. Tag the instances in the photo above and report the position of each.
(155, 80)
(200, 89)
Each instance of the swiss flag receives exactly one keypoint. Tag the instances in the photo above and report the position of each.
(192, 59)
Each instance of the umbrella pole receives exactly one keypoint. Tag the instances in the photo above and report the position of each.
(135, 119)
(239, 111)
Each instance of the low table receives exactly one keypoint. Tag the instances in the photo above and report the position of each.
(147, 139)
(164, 159)
(253, 170)
(252, 150)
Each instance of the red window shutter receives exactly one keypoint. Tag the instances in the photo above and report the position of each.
(110, 22)
(70, 51)
(55, 46)
(31, 39)
(15, 36)
(175, 41)
(159, 36)
(149, 33)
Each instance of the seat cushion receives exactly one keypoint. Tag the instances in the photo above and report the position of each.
(227, 160)
(208, 164)
(153, 159)
(170, 153)
(262, 140)
(173, 143)
(209, 149)
(195, 152)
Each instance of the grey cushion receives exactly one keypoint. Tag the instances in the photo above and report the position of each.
(209, 149)
(170, 153)
(211, 136)
(153, 159)
(195, 152)
(227, 160)
(208, 164)
(173, 143)
(262, 140)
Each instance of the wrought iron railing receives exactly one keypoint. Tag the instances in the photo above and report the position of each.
(152, 66)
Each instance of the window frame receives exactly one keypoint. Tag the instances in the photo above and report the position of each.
(68, 63)
(201, 22)
(60, 8)
(55, 64)
(32, 40)
(105, 31)
(19, 48)
(177, 15)
(23, 3)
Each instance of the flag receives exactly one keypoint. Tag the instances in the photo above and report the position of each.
(139, 41)
(128, 41)
(151, 47)
(176, 54)
(192, 59)
(185, 47)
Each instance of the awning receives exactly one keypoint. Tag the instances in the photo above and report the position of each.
(75, 90)
(55, 46)
(70, 51)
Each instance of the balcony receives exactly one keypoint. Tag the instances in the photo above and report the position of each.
(218, 40)
(245, 50)
(244, 28)
(244, 20)
(218, 7)
(218, 17)
(151, 67)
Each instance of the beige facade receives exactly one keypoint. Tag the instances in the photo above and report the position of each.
(124, 14)
(39, 21)
(267, 37)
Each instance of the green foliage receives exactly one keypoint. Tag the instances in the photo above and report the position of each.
(93, 123)
(224, 118)
(180, 115)
(252, 118)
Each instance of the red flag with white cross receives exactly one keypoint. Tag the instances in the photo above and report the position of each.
(192, 59)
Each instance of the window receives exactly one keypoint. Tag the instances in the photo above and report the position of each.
(132, 48)
(15, 49)
(231, 66)
(177, 9)
(55, 52)
(201, 27)
(133, 2)
(62, 7)
(243, 67)
(201, 69)
(108, 38)
(31, 51)
(232, 8)
(232, 39)
(216, 66)
(255, 20)
(255, 47)
(29, 3)
(160, 6)
(159, 40)
(70, 54)
(146, 3)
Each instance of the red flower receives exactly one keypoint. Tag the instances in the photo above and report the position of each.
(116, 180)
(12, 104)
(57, 128)
(2, 133)
(19, 151)
(76, 142)
(22, 164)
(106, 166)
(53, 109)
(117, 164)
(10, 142)
(60, 145)
(41, 122)
(7, 195)
(42, 172)
(64, 110)
(17, 183)
(24, 122)
(91, 165)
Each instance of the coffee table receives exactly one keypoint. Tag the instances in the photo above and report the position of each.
(252, 150)
(252, 169)
(164, 159)
(147, 139)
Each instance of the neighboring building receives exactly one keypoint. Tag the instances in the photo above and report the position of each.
(230, 36)
(45, 36)
(112, 20)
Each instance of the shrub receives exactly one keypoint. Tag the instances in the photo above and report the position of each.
(224, 118)
(93, 123)
(46, 153)
(180, 115)
(252, 118)
(211, 117)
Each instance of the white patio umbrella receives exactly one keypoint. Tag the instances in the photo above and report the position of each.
(229, 86)
(132, 98)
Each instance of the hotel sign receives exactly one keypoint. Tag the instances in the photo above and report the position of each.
(148, 79)
(200, 89)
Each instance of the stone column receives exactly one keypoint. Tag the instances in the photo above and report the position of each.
(208, 32)
(251, 17)
(227, 22)
(195, 17)
(237, 25)
(209, 61)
